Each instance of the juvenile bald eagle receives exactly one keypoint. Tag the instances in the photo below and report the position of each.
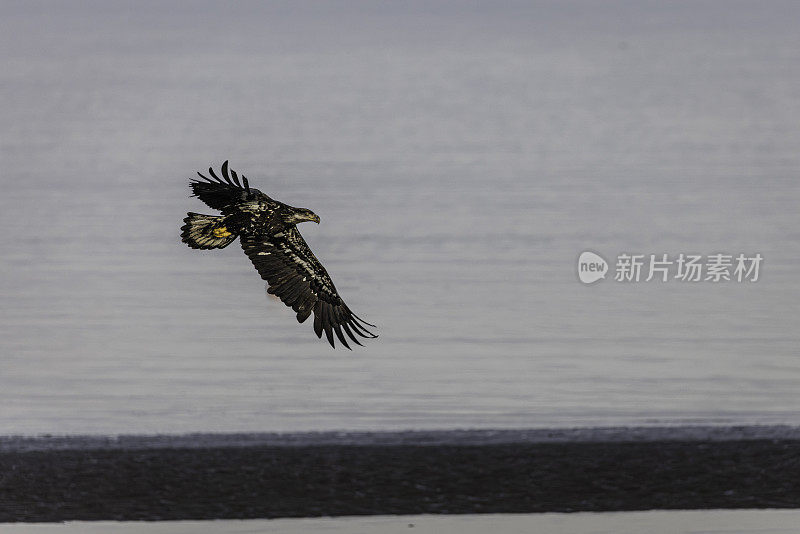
(269, 236)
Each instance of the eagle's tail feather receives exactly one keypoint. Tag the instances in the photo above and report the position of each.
(206, 232)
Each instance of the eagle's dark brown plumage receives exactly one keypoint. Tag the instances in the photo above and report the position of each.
(269, 236)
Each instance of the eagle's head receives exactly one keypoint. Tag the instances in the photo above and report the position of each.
(298, 215)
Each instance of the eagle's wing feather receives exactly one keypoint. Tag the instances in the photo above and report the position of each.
(219, 193)
(296, 277)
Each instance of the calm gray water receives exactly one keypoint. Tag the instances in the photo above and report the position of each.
(460, 159)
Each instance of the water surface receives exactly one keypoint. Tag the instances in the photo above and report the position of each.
(460, 159)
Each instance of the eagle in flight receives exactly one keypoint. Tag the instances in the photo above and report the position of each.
(269, 236)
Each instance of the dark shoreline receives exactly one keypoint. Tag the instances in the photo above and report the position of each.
(207, 476)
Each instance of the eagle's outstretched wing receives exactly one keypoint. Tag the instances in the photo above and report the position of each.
(296, 276)
(218, 193)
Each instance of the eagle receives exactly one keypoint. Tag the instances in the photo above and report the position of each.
(268, 232)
